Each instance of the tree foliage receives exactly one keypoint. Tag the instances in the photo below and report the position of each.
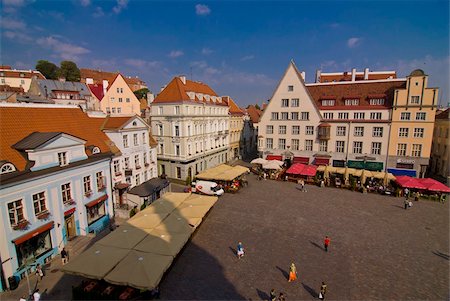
(69, 71)
(141, 93)
(48, 69)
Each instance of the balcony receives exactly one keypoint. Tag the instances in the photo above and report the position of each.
(128, 172)
(324, 131)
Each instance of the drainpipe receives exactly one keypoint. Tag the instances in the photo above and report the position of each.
(348, 142)
(387, 153)
(423, 90)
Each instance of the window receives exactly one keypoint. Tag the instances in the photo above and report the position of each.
(137, 162)
(113, 110)
(160, 130)
(284, 116)
(416, 150)
(87, 185)
(135, 139)
(375, 115)
(66, 194)
(125, 141)
(418, 132)
(401, 149)
(160, 110)
(403, 132)
(376, 101)
(281, 143)
(108, 110)
(119, 110)
(305, 116)
(377, 132)
(274, 116)
(295, 144)
(359, 131)
(177, 110)
(127, 163)
(138, 179)
(309, 130)
(95, 212)
(308, 145)
(128, 99)
(285, 103)
(328, 102)
(161, 148)
(290, 88)
(328, 115)
(177, 150)
(342, 115)
(282, 130)
(357, 147)
(178, 172)
(15, 211)
(340, 131)
(295, 102)
(177, 131)
(118, 90)
(112, 99)
(39, 203)
(421, 116)
(415, 100)
(22, 82)
(144, 155)
(7, 168)
(62, 159)
(358, 115)
(120, 99)
(269, 143)
(323, 146)
(269, 129)
(101, 183)
(116, 167)
(376, 148)
(352, 102)
(405, 116)
(340, 146)
(296, 130)
(189, 130)
(143, 139)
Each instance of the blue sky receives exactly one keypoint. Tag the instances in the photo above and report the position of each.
(239, 48)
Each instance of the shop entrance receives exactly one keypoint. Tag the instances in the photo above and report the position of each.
(69, 222)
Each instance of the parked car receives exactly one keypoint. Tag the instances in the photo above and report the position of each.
(207, 187)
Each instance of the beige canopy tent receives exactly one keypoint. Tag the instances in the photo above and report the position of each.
(198, 199)
(175, 224)
(139, 269)
(175, 198)
(222, 172)
(193, 210)
(95, 262)
(272, 164)
(163, 242)
(194, 222)
(258, 161)
(125, 237)
(146, 220)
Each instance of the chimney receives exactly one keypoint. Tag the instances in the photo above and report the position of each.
(89, 81)
(353, 74)
(183, 79)
(150, 97)
(318, 73)
(366, 74)
(105, 86)
(162, 88)
(304, 75)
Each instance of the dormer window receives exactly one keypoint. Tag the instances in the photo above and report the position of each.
(134, 123)
(7, 168)
(328, 102)
(376, 101)
(62, 159)
(96, 150)
(352, 102)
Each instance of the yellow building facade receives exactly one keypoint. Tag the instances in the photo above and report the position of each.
(439, 166)
(411, 132)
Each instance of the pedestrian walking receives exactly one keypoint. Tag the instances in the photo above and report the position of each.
(406, 193)
(240, 250)
(39, 272)
(36, 295)
(64, 256)
(406, 203)
(273, 295)
(265, 176)
(292, 273)
(326, 243)
(323, 291)
(281, 297)
(23, 298)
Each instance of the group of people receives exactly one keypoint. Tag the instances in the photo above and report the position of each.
(292, 272)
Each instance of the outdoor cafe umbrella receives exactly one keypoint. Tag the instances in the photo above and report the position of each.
(408, 182)
(175, 198)
(125, 237)
(163, 242)
(295, 169)
(192, 221)
(95, 262)
(189, 210)
(388, 177)
(259, 161)
(140, 270)
(272, 165)
(433, 185)
(364, 175)
(146, 220)
(197, 199)
(175, 223)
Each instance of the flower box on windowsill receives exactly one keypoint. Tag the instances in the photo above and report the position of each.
(88, 193)
(43, 215)
(138, 167)
(147, 164)
(101, 188)
(69, 202)
(118, 174)
(22, 225)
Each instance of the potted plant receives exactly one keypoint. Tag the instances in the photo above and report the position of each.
(70, 202)
(88, 193)
(21, 225)
(43, 215)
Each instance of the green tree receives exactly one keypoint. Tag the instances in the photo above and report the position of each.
(69, 71)
(48, 69)
(257, 106)
(141, 93)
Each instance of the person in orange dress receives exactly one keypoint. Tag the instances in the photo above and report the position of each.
(292, 273)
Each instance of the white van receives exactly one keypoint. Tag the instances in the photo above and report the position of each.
(207, 187)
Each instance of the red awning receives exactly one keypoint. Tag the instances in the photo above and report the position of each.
(408, 182)
(302, 170)
(32, 234)
(433, 185)
(95, 202)
(303, 160)
(274, 157)
(321, 161)
(69, 212)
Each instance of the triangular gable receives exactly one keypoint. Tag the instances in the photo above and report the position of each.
(140, 123)
(42, 141)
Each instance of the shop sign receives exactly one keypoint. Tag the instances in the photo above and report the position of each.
(374, 166)
(406, 161)
(338, 163)
(355, 164)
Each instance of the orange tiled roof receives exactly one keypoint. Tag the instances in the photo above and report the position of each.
(444, 115)
(234, 109)
(17, 123)
(176, 91)
(113, 123)
(254, 113)
(98, 76)
(8, 72)
(347, 76)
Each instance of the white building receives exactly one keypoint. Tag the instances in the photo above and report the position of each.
(190, 123)
(18, 78)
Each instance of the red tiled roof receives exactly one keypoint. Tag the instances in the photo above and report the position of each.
(97, 90)
(254, 113)
(25, 73)
(444, 115)
(114, 123)
(98, 76)
(361, 90)
(234, 109)
(19, 122)
(347, 76)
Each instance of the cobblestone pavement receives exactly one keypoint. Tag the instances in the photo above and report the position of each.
(378, 250)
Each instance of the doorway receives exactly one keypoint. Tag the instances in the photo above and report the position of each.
(69, 223)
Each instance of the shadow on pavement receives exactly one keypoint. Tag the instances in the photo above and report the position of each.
(310, 290)
(442, 255)
(316, 245)
(285, 274)
(262, 295)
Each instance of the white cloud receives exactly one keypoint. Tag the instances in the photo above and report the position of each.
(18, 36)
(121, 4)
(175, 53)
(353, 42)
(202, 10)
(142, 64)
(57, 15)
(247, 58)
(85, 2)
(98, 12)
(62, 49)
(13, 24)
(206, 51)
(13, 2)
(11, 6)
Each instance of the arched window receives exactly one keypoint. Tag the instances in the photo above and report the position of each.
(96, 150)
(134, 123)
(7, 168)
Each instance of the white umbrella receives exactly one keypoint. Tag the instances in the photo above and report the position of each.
(271, 165)
(259, 161)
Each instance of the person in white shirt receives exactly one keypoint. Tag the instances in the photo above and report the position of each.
(36, 295)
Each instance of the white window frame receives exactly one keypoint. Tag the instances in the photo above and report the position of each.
(269, 129)
(416, 150)
(269, 143)
(40, 199)
(295, 130)
(401, 149)
(295, 102)
(376, 148)
(281, 143)
(309, 145)
(340, 146)
(403, 132)
(359, 131)
(309, 130)
(405, 116)
(357, 147)
(419, 132)
(419, 114)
